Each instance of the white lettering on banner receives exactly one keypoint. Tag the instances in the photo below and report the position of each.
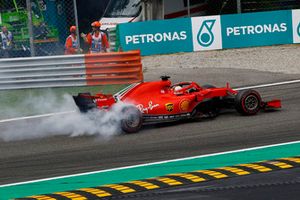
(128, 39)
(150, 38)
(283, 27)
(135, 40)
(157, 37)
(258, 29)
(183, 35)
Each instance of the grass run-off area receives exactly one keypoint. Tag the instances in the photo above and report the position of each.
(20, 103)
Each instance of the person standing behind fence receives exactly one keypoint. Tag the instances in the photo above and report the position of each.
(6, 42)
(96, 40)
(72, 45)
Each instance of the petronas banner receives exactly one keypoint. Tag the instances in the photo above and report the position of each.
(211, 32)
(157, 37)
(257, 29)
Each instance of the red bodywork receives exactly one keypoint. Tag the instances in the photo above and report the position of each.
(159, 98)
(160, 101)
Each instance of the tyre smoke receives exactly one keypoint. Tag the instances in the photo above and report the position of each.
(104, 124)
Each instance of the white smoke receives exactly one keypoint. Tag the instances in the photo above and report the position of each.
(33, 104)
(104, 124)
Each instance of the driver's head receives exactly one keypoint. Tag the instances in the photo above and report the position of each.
(177, 89)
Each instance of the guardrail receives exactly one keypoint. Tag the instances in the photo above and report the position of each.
(70, 71)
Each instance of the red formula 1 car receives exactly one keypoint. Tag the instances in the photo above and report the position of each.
(160, 101)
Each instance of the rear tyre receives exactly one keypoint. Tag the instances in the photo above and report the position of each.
(131, 120)
(248, 102)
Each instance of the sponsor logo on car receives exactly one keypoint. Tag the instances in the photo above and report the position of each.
(176, 117)
(149, 107)
(298, 29)
(169, 107)
(184, 105)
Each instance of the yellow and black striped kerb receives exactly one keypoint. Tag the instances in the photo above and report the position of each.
(171, 180)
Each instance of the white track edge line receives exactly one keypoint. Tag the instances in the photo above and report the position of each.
(37, 116)
(149, 164)
(269, 85)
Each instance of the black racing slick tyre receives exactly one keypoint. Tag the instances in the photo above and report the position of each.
(132, 120)
(248, 102)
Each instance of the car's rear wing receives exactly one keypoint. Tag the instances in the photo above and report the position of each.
(85, 102)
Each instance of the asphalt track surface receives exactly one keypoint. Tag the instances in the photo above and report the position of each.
(283, 184)
(61, 155)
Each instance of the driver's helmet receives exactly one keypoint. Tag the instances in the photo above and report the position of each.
(177, 90)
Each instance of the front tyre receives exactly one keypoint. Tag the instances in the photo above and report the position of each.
(131, 120)
(248, 102)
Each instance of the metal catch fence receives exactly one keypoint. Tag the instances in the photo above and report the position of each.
(268, 5)
(217, 7)
(38, 27)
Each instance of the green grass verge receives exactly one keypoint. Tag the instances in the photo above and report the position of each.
(19, 103)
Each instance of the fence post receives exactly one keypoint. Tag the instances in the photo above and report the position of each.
(30, 28)
(239, 6)
(189, 8)
(76, 23)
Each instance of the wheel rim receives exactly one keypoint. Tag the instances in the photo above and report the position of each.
(132, 120)
(251, 102)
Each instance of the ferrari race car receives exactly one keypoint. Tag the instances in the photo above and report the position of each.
(162, 101)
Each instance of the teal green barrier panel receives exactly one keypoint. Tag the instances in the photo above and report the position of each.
(211, 32)
(257, 29)
(245, 30)
(157, 37)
